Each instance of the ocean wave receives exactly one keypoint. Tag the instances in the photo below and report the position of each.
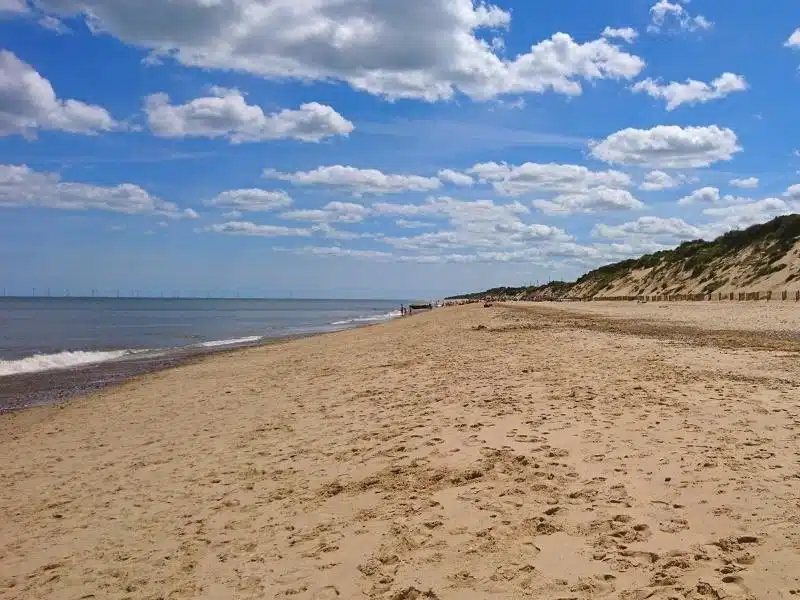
(60, 360)
(244, 340)
(370, 319)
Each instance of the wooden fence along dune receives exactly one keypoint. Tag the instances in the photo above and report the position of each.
(784, 296)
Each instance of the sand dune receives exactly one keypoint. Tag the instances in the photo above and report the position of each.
(468, 453)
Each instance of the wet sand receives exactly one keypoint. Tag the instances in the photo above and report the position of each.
(50, 387)
(55, 386)
(514, 452)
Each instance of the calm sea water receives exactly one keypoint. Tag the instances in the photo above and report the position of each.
(39, 334)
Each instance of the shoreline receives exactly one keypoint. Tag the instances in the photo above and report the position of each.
(467, 453)
(25, 391)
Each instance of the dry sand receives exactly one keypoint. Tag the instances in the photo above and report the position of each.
(551, 453)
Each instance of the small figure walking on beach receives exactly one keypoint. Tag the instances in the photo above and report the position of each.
(402, 310)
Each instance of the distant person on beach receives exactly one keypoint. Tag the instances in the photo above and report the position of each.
(402, 310)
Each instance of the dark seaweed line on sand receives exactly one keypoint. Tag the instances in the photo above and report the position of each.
(786, 341)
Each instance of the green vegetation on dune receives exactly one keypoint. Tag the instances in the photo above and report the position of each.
(558, 287)
(764, 244)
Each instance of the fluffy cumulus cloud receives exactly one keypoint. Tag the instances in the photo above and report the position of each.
(668, 146)
(333, 212)
(705, 195)
(794, 39)
(358, 181)
(479, 231)
(412, 224)
(426, 49)
(454, 177)
(28, 103)
(746, 183)
(13, 6)
(793, 192)
(22, 187)
(692, 91)
(226, 114)
(656, 181)
(339, 252)
(327, 231)
(250, 200)
(628, 34)
(673, 16)
(472, 226)
(744, 214)
(711, 196)
(252, 229)
(654, 228)
(559, 63)
(518, 180)
(601, 199)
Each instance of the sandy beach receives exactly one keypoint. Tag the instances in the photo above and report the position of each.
(528, 451)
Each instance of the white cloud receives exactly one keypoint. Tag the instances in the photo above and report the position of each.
(411, 224)
(333, 212)
(459, 211)
(674, 16)
(706, 195)
(511, 180)
(656, 181)
(665, 229)
(227, 114)
(557, 64)
(628, 34)
(748, 183)
(28, 103)
(461, 239)
(358, 181)
(742, 215)
(517, 104)
(330, 233)
(13, 6)
(251, 229)
(250, 200)
(473, 225)
(337, 251)
(22, 187)
(601, 199)
(794, 39)
(305, 214)
(426, 49)
(454, 177)
(693, 91)
(668, 146)
(53, 24)
(642, 236)
(793, 192)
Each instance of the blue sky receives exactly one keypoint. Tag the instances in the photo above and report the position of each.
(365, 148)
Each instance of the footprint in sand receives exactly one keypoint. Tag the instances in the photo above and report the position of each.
(327, 593)
(673, 525)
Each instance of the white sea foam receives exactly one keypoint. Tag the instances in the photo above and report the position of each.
(61, 360)
(244, 340)
(371, 319)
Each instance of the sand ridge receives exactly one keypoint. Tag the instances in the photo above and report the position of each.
(465, 453)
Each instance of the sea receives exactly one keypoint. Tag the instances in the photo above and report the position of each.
(53, 348)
